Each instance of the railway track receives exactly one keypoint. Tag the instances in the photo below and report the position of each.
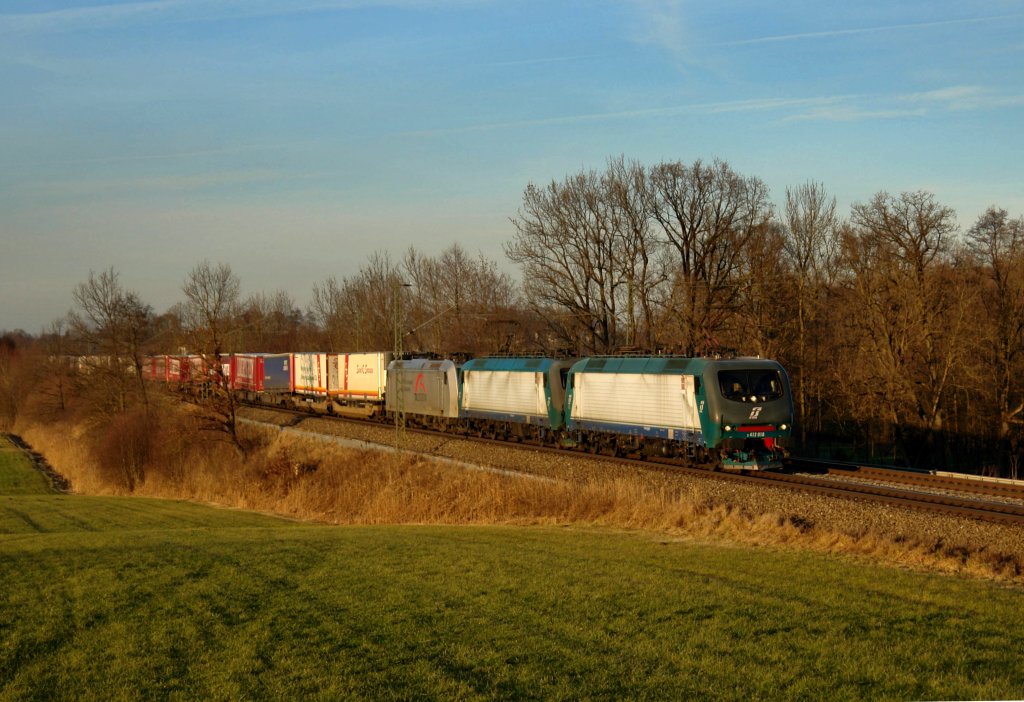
(1012, 489)
(988, 501)
(902, 494)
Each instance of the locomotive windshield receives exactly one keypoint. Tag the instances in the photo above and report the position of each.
(750, 385)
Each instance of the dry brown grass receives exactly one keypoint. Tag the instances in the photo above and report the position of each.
(68, 450)
(312, 480)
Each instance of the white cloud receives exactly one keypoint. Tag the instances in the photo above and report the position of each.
(663, 24)
(853, 113)
(549, 59)
(157, 11)
(868, 30)
(95, 16)
(918, 104)
(956, 92)
(707, 108)
(964, 97)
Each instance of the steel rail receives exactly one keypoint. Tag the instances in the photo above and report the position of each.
(998, 512)
(903, 476)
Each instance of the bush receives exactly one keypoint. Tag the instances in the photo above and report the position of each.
(123, 448)
(282, 469)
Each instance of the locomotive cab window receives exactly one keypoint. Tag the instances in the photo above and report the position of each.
(750, 385)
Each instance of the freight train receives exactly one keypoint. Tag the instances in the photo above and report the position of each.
(719, 413)
(734, 413)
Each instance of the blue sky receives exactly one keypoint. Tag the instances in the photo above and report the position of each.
(293, 138)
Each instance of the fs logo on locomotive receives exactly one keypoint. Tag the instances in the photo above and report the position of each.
(755, 412)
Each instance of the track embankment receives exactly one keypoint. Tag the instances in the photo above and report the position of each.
(828, 517)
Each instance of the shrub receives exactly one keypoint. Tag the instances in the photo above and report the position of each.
(123, 448)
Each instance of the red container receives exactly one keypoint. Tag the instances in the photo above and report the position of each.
(177, 369)
(247, 372)
(149, 367)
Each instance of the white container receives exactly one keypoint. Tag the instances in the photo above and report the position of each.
(358, 376)
(311, 374)
(504, 392)
(635, 399)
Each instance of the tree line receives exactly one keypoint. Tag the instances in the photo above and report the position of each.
(903, 334)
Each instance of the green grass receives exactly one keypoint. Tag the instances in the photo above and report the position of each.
(16, 475)
(120, 598)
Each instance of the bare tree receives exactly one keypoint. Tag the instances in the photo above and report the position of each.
(208, 315)
(909, 312)
(591, 260)
(57, 379)
(812, 246)
(438, 293)
(269, 322)
(114, 325)
(709, 214)
(997, 243)
(327, 310)
(760, 320)
(565, 247)
(211, 305)
(168, 330)
(358, 313)
(459, 302)
(642, 254)
(16, 377)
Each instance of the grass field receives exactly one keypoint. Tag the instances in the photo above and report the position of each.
(128, 598)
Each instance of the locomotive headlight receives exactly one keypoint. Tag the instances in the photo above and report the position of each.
(783, 427)
(727, 427)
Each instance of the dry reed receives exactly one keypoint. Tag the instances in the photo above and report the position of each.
(313, 480)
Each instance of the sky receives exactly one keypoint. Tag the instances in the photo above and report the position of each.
(293, 139)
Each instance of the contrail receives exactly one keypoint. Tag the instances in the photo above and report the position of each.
(867, 30)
